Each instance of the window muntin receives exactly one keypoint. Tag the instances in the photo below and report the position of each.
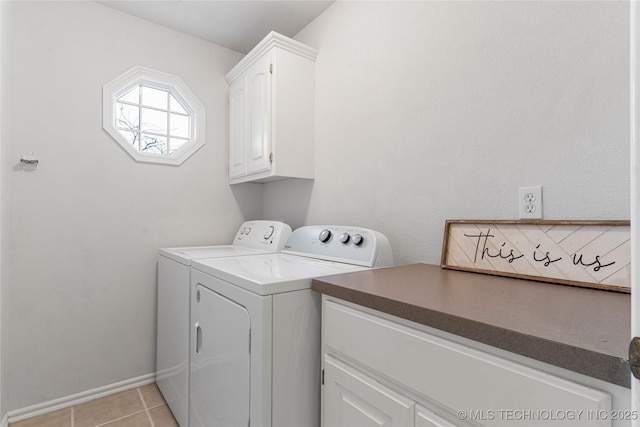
(154, 116)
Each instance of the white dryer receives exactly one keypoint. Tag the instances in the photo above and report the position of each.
(174, 276)
(255, 349)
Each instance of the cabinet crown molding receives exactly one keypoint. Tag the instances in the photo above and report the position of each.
(272, 40)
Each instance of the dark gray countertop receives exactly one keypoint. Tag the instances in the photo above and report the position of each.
(583, 330)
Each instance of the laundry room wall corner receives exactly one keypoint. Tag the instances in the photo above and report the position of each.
(288, 200)
(249, 197)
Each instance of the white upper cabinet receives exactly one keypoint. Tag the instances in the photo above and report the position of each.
(271, 108)
(237, 129)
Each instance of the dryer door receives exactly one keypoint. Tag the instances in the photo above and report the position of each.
(220, 362)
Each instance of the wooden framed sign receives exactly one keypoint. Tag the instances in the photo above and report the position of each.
(592, 254)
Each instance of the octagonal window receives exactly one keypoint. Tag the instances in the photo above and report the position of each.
(153, 116)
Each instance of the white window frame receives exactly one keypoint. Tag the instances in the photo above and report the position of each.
(143, 76)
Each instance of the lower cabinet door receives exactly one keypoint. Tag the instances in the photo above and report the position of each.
(427, 418)
(353, 399)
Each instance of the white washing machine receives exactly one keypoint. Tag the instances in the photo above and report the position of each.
(174, 277)
(255, 327)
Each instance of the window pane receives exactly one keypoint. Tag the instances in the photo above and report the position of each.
(176, 143)
(154, 121)
(132, 137)
(176, 106)
(153, 144)
(127, 117)
(133, 96)
(179, 125)
(154, 98)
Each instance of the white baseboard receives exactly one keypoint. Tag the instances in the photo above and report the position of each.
(75, 399)
(5, 421)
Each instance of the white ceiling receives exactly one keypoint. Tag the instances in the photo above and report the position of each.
(236, 24)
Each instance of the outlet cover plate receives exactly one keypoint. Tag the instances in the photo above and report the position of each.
(530, 202)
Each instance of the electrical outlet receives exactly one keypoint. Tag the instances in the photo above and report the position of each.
(530, 202)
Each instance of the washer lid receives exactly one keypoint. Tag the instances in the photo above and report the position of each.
(187, 254)
(271, 273)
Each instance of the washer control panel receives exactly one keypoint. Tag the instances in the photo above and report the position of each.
(352, 245)
(263, 234)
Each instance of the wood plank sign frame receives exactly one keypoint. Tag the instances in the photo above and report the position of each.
(591, 254)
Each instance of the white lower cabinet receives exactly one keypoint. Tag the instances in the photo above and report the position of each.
(353, 399)
(381, 372)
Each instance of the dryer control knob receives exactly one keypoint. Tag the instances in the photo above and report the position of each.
(345, 238)
(269, 232)
(358, 239)
(325, 235)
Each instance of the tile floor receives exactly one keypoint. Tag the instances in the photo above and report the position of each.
(139, 407)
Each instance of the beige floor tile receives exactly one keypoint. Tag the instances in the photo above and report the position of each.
(162, 417)
(151, 395)
(107, 409)
(61, 418)
(141, 419)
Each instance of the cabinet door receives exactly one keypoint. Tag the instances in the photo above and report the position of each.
(220, 361)
(237, 129)
(259, 116)
(428, 418)
(354, 399)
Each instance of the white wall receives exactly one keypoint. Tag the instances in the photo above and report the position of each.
(5, 26)
(84, 228)
(433, 110)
